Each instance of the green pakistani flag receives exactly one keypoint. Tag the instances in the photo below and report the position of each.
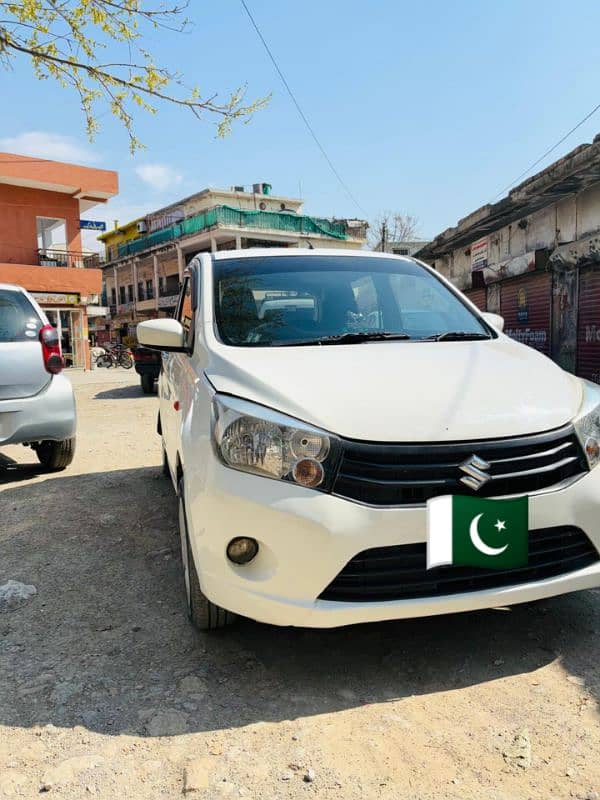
(477, 532)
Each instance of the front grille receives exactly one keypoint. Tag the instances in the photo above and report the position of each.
(411, 474)
(400, 573)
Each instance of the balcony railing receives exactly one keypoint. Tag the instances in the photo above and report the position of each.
(236, 218)
(68, 258)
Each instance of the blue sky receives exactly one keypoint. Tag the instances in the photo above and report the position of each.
(426, 108)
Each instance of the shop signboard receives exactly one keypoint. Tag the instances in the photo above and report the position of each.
(168, 301)
(522, 307)
(92, 225)
(479, 254)
(56, 299)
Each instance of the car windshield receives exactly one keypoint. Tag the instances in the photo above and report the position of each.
(274, 301)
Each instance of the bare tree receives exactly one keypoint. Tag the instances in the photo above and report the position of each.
(66, 41)
(391, 226)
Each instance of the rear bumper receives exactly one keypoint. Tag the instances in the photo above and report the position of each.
(49, 415)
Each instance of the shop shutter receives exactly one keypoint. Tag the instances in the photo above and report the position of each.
(478, 297)
(588, 325)
(525, 304)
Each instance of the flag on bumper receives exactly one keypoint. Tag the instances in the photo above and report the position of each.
(477, 532)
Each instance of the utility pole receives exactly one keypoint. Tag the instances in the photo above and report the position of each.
(384, 236)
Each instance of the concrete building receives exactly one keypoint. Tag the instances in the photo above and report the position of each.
(145, 259)
(41, 203)
(534, 258)
(407, 247)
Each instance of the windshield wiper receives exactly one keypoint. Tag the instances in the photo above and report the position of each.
(353, 337)
(455, 336)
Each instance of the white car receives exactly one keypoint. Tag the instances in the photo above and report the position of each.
(307, 449)
(37, 404)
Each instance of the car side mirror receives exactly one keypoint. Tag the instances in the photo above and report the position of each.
(495, 320)
(162, 334)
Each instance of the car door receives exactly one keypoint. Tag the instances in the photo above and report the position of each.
(177, 373)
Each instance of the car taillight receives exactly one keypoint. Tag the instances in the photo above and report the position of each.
(53, 360)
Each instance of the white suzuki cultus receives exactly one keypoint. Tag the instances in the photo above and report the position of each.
(320, 409)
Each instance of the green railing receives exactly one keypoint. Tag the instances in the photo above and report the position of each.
(234, 217)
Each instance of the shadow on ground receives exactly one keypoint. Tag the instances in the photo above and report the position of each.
(106, 643)
(123, 393)
(12, 471)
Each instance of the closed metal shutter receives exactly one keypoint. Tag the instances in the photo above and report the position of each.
(525, 304)
(588, 325)
(478, 297)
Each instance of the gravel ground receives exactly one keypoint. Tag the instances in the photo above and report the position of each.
(106, 691)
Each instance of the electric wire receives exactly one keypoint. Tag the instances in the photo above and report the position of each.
(547, 153)
(303, 116)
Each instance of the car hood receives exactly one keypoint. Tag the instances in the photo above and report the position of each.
(405, 391)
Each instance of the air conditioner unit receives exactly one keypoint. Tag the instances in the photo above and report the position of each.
(141, 226)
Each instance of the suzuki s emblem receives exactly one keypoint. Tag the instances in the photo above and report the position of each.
(475, 475)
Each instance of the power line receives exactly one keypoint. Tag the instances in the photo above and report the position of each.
(341, 181)
(547, 153)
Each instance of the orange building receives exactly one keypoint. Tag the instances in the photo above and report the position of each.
(41, 203)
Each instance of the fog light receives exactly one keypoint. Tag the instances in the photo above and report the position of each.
(592, 449)
(241, 550)
(308, 472)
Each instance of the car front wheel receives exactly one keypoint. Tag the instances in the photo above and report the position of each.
(56, 456)
(204, 615)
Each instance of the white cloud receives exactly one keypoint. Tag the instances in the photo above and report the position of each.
(42, 144)
(159, 176)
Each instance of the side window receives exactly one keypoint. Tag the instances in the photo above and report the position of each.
(186, 308)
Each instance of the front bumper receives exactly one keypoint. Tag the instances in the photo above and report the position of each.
(306, 538)
(48, 415)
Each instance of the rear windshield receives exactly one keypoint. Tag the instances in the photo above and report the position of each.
(19, 321)
(266, 301)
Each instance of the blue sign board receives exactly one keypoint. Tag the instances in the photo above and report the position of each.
(92, 225)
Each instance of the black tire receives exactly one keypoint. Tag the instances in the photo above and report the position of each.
(205, 616)
(148, 384)
(103, 361)
(126, 361)
(56, 456)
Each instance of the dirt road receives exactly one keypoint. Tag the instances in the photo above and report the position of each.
(106, 691)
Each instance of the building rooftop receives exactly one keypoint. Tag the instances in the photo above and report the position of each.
(86, 184)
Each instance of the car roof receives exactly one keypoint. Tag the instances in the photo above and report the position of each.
(12, 287)
(266, 252)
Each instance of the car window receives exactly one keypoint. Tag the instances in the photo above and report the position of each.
(272, 300)
(19, 321)
(185, 311)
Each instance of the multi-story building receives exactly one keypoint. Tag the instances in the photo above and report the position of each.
(534, 258)
(145, 259)
(40, 242)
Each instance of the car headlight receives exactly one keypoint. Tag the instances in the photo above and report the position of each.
(255, 439)
(587, 423)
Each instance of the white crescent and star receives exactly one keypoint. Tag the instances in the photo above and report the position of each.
(478, 541)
